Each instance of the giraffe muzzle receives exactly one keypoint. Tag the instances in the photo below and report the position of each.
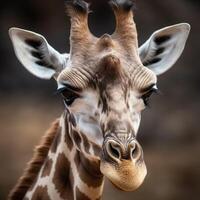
(122, 162)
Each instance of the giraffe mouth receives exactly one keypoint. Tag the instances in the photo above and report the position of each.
(126, 175)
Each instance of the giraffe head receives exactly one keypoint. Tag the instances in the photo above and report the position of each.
(106, 83)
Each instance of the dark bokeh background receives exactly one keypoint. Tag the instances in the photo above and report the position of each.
(170, 130)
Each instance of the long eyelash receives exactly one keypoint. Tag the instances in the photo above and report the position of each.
(59, 91)
(67, 87)
(147, 100)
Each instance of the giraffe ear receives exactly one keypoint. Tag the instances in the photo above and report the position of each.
(160, 52)
(36, 55)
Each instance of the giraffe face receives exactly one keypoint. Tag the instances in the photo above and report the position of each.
(105, 83)
(107, 112)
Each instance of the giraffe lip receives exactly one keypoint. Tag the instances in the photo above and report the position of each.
(126, 175)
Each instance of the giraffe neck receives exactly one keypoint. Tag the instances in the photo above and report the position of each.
(67, 173)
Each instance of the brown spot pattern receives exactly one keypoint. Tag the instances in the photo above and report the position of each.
(47, 168)
(41, 194)
(80, 195)
(96, 149)
(34, 183)
(63, 177)
(56, 141)
(68, 139)
(77, 138)
(89, 171)
(86, 144)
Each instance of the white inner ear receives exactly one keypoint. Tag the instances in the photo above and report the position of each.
(160, 52)
(35, 54)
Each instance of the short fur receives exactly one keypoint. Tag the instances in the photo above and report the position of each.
(34, 166)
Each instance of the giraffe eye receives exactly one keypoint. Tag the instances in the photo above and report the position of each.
(68, 95)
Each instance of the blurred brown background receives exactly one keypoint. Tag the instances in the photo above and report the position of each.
(170, 129)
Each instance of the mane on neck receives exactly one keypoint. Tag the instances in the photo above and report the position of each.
(34, 166)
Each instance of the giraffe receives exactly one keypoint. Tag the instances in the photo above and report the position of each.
(105, 83)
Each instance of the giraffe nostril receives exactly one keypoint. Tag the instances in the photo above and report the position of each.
(117, 151)
(134, 149)
(113, 150)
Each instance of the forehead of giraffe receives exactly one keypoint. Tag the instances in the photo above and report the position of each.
(108, 70)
